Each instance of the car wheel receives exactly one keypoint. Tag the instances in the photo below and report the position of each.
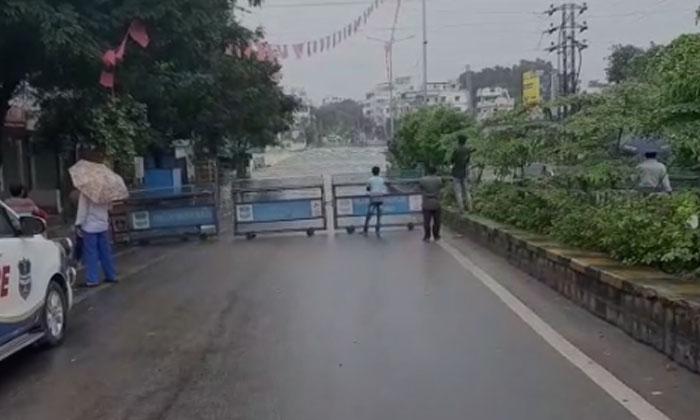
(55, 315)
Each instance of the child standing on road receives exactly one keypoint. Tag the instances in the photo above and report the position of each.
(376, 187)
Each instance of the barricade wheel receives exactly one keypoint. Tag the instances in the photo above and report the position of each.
(350, 230)
(310, 232)
(144, 242)
(250, 236)
(203, 236)
(411, 226)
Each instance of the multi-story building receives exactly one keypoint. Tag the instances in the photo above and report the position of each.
(303, 118)
(409, 96)
(493, 100)
(329, 100)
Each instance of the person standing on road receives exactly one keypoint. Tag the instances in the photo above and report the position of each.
(460, 173)
(92, 226)
(652, 175)
(431, 186)
(376, 187)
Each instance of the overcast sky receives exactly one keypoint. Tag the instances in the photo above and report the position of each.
(479, 33)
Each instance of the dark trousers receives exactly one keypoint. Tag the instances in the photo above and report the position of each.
(434, 217)
(374, 207)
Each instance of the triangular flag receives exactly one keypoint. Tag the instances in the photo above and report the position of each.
(328, 42)
(109, 58)
(137, 32)
(308, 47)
(283, 51)
(323, 44)
(358, 22)
(298, 50)
(107, 79)
(263, 52)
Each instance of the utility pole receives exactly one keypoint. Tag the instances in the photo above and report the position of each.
(389, 53)
(567, 47)
(425, 54)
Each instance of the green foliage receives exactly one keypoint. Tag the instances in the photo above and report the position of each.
(633, 228)
(512, 141)
(621, 63)
(426, 137)
(182, 86)
(344, 118)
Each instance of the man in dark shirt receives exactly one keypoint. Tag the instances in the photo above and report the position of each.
(431, 187)
(460, 173)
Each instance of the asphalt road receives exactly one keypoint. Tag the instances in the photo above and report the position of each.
(342, 328)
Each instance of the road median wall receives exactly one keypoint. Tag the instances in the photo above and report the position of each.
(655, 308)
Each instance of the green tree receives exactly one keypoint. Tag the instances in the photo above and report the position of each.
(183, 83)
(423, 136)
(345, 118)
(621, 62)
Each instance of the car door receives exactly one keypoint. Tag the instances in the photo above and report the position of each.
(18, 312)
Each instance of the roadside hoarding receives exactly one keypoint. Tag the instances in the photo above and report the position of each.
(531, 88)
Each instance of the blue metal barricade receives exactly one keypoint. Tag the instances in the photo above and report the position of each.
(402, 205)
(279, 205)
(173, 212)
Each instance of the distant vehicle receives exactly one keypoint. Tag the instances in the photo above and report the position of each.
(35, 284)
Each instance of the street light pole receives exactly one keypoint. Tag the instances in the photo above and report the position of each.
(425, 54)
(389, 52)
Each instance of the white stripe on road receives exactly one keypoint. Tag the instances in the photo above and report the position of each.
(620, 392)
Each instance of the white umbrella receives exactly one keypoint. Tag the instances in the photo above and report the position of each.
(99, 183)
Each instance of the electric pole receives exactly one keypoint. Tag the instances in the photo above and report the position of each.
(389, 53)
(568, 48)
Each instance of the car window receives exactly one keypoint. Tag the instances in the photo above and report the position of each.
(6, 229)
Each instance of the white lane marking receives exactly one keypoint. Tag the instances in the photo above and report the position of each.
(620, 392)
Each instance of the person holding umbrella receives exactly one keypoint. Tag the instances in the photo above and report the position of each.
(98, 187)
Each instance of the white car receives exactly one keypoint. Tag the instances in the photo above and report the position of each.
(35, 284)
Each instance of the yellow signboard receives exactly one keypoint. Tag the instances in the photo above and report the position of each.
(531, 88)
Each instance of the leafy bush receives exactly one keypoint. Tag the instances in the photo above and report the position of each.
(633, 228)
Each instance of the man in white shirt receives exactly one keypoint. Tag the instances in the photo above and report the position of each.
(652, 176)
(92, 224)
(376, 187)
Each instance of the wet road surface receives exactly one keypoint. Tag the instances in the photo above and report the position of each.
(333, 327)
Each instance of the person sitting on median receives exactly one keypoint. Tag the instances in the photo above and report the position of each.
(21, 204)
(376, 187)
(431, 186)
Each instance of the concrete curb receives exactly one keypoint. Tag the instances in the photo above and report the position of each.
(655, 308)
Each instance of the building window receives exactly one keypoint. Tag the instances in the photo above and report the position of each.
(458, 98)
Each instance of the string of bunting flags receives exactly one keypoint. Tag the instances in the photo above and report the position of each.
(264, 51)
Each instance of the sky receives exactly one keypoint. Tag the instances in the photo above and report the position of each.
(478, 33)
